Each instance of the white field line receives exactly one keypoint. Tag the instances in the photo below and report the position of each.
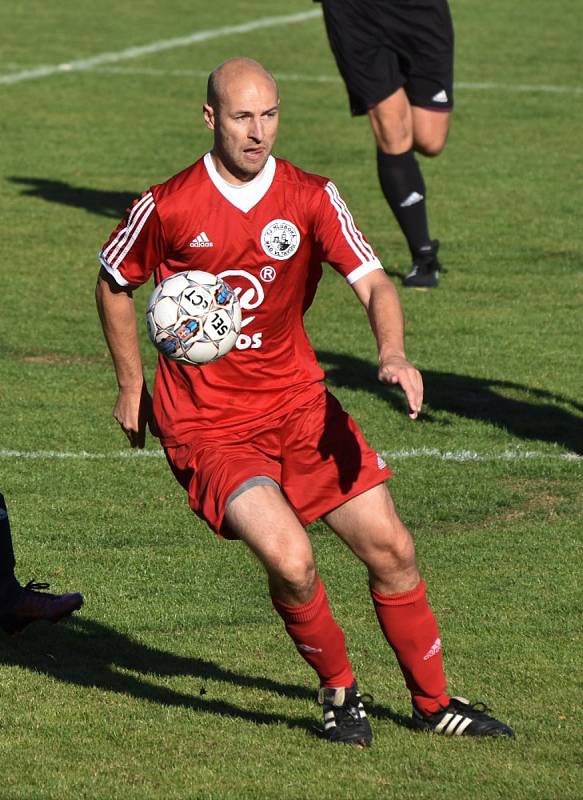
(488, 86)
(83, 64)
(463, 456)
(473, 455)
(519, 87)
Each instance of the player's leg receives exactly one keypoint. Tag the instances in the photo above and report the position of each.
(261, 517)
(428, 38)
(7, 561)
(430, 130)
(371, 527)
(393, 123)
(264, 520)
(361, 38)
(21, 605)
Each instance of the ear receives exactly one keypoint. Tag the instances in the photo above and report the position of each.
(209, 116)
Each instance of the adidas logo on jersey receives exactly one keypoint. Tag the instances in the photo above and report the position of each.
(202, 240)
(440, 97)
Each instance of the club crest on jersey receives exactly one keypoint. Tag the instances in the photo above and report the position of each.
(280, 239)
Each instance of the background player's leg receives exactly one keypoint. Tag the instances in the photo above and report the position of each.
(393, 123)
(263, 519)
(7, 562)
(430, 130)
(19, 606)
(370, 526)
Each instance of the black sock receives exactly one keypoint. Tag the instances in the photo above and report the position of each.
(7, 561)
(404, 189)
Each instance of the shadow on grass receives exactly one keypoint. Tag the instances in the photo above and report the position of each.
(524, 412)
(86, 653)
(94, 201)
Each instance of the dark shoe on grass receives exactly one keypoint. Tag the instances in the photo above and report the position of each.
(345, 719)
(425, 269)
(31, 603)
(460, 718)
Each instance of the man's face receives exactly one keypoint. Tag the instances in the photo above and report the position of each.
(244, 124)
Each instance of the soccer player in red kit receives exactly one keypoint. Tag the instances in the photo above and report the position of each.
(259, 444)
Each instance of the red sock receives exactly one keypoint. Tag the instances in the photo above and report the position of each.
(318, 638)
(410, 628)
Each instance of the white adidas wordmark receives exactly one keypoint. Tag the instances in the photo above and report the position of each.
(433, 650)
(202, 240)
(413, 198)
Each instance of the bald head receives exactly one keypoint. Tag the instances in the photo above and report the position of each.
(242, 110)
(236, 71)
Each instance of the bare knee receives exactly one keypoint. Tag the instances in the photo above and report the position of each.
(390, 558)
(293, 580)
(430, 131)
(392, 124)
(393, 138)
(392, 553)
(430, 146)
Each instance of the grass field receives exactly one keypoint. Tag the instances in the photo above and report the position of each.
(177, 679)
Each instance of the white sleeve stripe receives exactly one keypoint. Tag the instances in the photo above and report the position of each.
(359, 238)
(342, 205)
(342, 220)
(356, 232)
(137, 226)
(363, 270)
(107, 250)
(147, 201)
(334, 200)
(131, 231)
(115, 273)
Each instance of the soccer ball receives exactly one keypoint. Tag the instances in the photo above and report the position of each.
(193, 317)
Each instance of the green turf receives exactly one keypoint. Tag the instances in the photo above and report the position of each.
(177, 679)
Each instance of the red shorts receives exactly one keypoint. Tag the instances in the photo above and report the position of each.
(316, 454)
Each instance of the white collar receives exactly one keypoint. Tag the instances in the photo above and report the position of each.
(247, 195)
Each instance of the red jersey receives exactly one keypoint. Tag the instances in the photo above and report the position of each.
(268, 240)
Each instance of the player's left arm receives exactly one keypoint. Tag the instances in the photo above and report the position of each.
(381, 301)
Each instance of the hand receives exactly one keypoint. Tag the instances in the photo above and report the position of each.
(133, 411)
(396, 369)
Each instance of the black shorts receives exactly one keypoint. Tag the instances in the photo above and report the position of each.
(381, 45)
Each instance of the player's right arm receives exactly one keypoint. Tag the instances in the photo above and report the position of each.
(133, 408)
(126, 260)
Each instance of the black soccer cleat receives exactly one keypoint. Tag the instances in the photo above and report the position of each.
(425, 268)
(460, 718)
(30, 603)
(345, 719)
